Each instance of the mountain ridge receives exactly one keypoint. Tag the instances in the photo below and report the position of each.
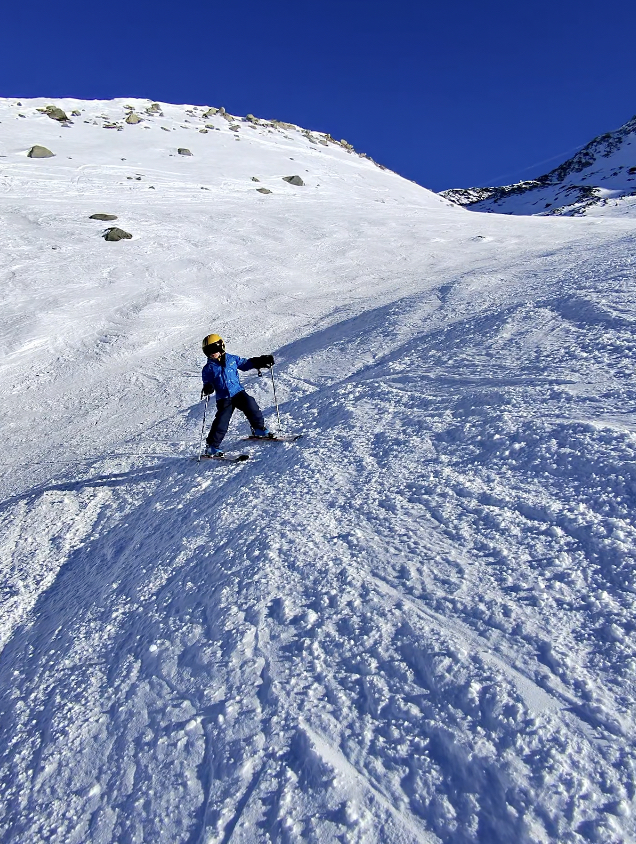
(137, 110)
(611, 188)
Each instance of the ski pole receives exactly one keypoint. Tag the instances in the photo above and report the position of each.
(205, 410)
(280, 427)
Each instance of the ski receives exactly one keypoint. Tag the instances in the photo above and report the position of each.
(278, 438)
(226, 458)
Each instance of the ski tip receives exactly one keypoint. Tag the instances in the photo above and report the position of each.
(276, 438)
(227, 458)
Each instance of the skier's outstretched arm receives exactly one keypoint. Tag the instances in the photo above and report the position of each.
(258, 362)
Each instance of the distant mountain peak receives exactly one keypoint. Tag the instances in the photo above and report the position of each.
(600, 179)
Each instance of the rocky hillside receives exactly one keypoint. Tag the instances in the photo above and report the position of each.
(120, 113)
(599, 179)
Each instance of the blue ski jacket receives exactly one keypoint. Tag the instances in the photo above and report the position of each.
(225, 379)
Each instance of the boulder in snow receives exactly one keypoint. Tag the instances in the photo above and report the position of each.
(104, 217)
(40, 152)
(56, 113)
(133, 118)
(263, 190)
(294, 180)
(116, 234)
(184, 151)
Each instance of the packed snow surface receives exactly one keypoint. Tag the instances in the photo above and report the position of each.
(416, 624)
(599, 180)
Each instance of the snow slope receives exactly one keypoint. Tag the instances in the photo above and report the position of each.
(599, 180)
(414, 625)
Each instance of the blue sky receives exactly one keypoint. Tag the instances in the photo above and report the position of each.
(450, 94)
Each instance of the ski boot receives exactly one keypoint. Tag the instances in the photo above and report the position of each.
(210, 451)
(262, 433)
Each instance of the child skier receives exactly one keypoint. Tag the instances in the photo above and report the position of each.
(220, 376)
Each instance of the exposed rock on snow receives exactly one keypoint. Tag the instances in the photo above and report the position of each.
(115, 233)
(133, 118)
(184, 151)
(601, 176)
(38, 151)
(105, 217)
(263, 190)
(55, 113)
(294, 180)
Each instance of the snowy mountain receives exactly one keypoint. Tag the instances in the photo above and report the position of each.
(416, 624)
(599, 180)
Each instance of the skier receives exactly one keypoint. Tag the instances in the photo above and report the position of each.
(220, 376)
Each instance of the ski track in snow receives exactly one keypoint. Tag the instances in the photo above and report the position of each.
(415, 624)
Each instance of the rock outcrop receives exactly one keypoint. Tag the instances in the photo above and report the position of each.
(40, 152)
(104, 217)
(116, 234)
(56, 113)
(294, 180)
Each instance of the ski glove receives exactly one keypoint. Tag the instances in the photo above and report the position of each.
(207, 390)
(263, 362)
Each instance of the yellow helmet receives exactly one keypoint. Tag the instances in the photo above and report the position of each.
(212, 343)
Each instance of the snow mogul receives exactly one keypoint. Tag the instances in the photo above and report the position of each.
(220, 376)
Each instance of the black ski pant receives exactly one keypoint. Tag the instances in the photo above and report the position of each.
(224, 410)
